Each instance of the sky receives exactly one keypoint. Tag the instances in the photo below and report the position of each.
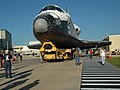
(96, 18)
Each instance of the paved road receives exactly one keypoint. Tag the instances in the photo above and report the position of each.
(31, 74)
(96, 76)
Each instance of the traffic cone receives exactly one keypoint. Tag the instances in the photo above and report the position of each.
(110, 56)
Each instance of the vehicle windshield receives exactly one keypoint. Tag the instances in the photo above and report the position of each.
(48, 46)
(52, 7)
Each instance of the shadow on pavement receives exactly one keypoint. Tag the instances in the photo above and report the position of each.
(20, 67)
(100, 62)
(31, 85)
(22, 72)
(12, 82)
(3, 75)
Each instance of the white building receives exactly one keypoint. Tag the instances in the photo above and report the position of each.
(115, 39)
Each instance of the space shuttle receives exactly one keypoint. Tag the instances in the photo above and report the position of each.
(54, 24)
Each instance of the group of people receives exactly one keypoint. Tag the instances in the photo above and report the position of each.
(7, 60)
(101, 53)
(17, 56)
(77, 55)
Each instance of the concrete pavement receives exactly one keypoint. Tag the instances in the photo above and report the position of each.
(46, 76)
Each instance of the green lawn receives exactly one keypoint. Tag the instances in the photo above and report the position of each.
(115, 61)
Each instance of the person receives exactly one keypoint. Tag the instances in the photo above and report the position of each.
(41, 57)
(77, 56)
(91, 52)
(33, 53)
(7, 58)
(102, 54)
(14, 57)
(1, 58)
(20, 56)
(17, 56)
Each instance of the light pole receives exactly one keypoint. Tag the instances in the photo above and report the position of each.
(7, 45)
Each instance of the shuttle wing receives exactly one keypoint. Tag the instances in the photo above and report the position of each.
(94, 44)
(71, 42)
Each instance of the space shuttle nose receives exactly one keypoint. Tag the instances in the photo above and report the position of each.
(40, 26)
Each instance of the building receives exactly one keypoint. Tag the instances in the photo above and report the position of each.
(115, 39)
(5, 40)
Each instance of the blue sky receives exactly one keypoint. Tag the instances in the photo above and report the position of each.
(96, 18)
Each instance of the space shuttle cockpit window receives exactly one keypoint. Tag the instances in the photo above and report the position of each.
(51, 7)
(48, 8)
(59, 9)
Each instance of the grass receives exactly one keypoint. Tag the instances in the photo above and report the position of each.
(115, 61)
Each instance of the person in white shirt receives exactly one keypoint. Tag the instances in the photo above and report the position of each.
(102, 54)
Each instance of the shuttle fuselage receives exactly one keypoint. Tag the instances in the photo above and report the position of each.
(55, 25)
